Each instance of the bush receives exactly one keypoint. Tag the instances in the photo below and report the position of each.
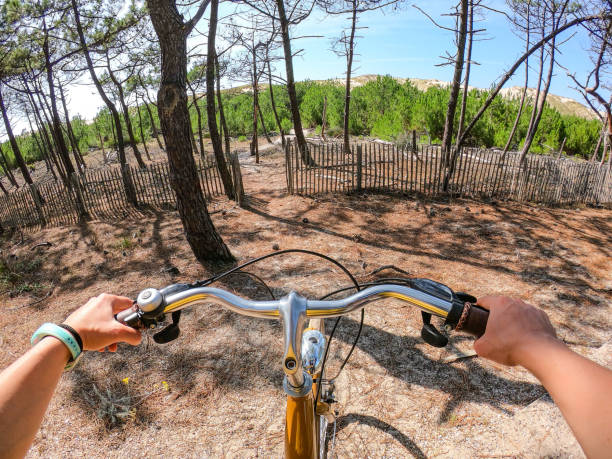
(382, 107)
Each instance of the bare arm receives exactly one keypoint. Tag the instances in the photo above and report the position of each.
(519, 334)
(27, 385)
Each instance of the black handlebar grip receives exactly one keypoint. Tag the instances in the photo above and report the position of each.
(473, 320)
(129, 317)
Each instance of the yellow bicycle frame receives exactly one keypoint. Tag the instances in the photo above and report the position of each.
(302, 439)
(300, 429)
(303, 423)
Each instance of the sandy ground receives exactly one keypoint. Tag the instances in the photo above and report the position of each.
(216, 391)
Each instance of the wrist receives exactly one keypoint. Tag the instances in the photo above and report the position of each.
(64, 335)
(55, 346)
(79, 331)
(533, 353)
(75, 333)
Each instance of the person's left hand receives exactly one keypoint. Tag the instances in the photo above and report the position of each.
(96, 324)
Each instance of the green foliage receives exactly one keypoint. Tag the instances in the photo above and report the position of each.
(125, 243)
(381, 108)
(84, 136)
(581, 135)
(313, 100)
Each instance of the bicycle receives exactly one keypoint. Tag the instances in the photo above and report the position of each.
(309, 394)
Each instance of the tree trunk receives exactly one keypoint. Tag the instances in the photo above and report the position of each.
(523, 94)
(130, 192)
(16, 151)
(540, 109)
(263, 124)
(255, 140)
(606, 145)
(114, 134)
(468, 66)
(597, 145)
(59, 136)
(51, 142)
(454, 93)
(39, 145)
(142, 136)
(199, 114)
(536, 99)
(347, 90)
(533, 124)
(562, 147)
(226, 178)
(59, 163)
(295, 108)
(7, 170)
(126, 114)
(75, 148)
(194, 144)
(56, 126)
(153, 126)
(42, 132)
(324, 118)
(271, 90)
(226, 134)
(202, 236)
(504, 79)
(99, 137)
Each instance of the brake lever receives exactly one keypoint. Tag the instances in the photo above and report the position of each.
(171, 332)
(430, 334)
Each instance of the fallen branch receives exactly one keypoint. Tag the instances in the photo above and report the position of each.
(42, 244)
(40, 300)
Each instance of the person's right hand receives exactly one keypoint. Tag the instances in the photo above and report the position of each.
(95, 322)
(514, 329)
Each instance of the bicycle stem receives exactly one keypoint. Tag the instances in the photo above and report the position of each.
(292, 310)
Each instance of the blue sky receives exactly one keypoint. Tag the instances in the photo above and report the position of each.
(404, 44)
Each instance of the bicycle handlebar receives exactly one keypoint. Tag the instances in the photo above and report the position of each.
(293, 310)
(460, 315)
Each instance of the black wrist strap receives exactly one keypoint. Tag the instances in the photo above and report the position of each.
(74, 333)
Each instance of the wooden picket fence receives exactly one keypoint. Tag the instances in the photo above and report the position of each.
(102, 192)
(480, 173)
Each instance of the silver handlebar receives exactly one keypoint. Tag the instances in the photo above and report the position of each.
(269, 309)
(293, 310)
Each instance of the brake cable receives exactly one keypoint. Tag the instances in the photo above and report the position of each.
(256, 277)
(348, 356)
(357, 286)
(216, 277)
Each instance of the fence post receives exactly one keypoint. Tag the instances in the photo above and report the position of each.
(79, 202)
(289, 166)
(237, 176)
(37, 203)
(414, 140)
(359, 166)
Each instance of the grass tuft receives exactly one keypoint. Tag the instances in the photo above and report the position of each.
(18, 276)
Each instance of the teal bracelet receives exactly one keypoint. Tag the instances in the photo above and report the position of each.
(64, 336)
